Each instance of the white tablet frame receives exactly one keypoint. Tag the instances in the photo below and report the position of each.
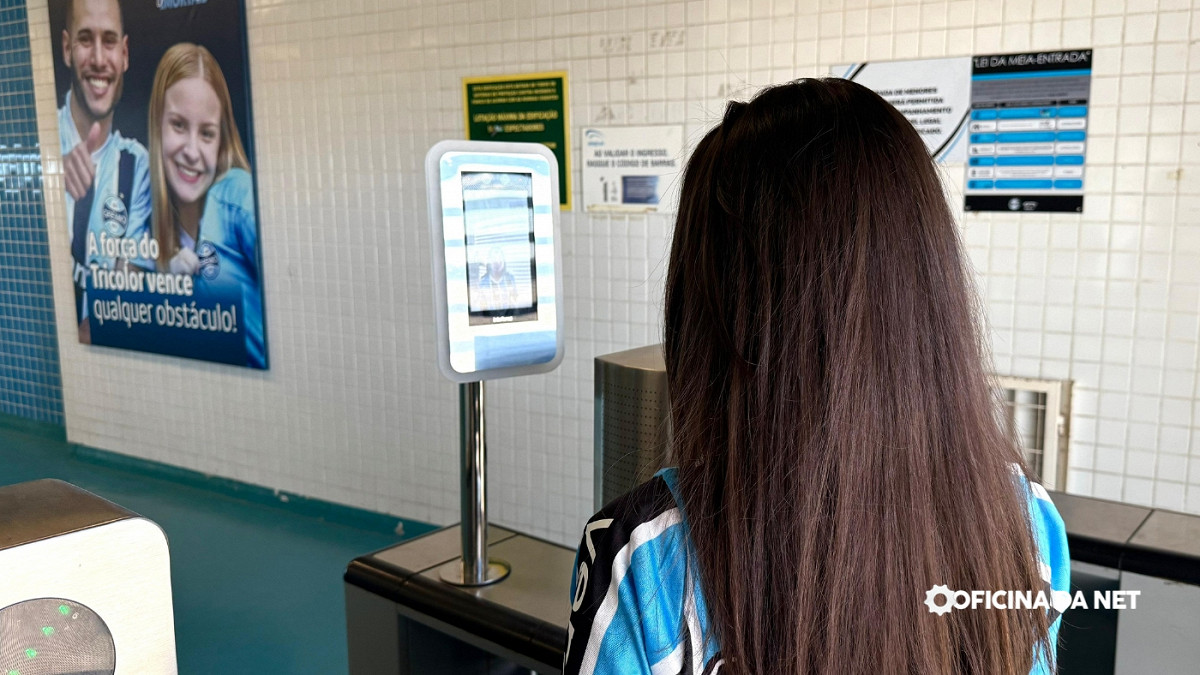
(456, 338)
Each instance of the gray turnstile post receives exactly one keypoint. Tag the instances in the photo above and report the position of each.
(475, 569)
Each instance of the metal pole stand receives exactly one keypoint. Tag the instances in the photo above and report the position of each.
(475, 569)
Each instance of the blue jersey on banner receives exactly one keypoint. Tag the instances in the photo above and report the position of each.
(228, 253)
(117, 207)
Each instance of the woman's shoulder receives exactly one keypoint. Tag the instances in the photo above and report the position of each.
(1041, 506)
(649, 502)
(630, 582)
(645, 523)
(235, 186)
(1050, 532)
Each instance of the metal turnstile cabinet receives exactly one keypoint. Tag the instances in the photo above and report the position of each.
(402, 618)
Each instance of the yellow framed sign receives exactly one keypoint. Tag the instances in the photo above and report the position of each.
(526, 108)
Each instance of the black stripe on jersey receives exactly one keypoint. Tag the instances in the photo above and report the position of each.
(1054, 613)
(689, 657)
(713, 663)
(640, 505)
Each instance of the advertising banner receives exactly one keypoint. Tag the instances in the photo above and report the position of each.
(530, 108)
(157, 142)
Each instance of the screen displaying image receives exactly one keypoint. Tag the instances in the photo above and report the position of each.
(498, 224)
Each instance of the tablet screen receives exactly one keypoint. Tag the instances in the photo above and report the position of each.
(499, 238)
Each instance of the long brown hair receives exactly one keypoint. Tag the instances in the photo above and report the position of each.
(180, 62)
(834, 428)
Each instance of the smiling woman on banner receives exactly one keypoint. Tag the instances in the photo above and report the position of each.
(203, 215)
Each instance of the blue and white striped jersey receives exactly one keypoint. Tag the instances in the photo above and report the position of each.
(117, 207)
(111, 211)
(637, 609)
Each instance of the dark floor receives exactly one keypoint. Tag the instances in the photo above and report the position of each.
(257, 589)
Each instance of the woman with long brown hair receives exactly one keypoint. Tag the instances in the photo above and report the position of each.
(842, 477)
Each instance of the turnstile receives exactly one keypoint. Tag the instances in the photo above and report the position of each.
(402, 618)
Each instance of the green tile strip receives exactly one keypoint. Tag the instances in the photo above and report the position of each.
(22, 425)
(307, 506)
(256, 494)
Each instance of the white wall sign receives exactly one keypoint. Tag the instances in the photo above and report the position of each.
(934, 94)
(631, 169)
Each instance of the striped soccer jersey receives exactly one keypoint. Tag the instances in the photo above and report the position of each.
(109, 210)
(116, 207)
(636, 608)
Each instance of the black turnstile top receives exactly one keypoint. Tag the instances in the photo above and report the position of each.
(1154, 542)
(524, 616)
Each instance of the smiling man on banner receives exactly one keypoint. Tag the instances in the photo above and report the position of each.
(106, 176)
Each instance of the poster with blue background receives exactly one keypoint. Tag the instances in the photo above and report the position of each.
(1028, 131)
(157, 143)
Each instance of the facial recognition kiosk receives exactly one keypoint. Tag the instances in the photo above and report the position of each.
(469, 598)
(493, 221)
(493, 214)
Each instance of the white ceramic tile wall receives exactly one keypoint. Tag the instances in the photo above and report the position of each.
(349, 95)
